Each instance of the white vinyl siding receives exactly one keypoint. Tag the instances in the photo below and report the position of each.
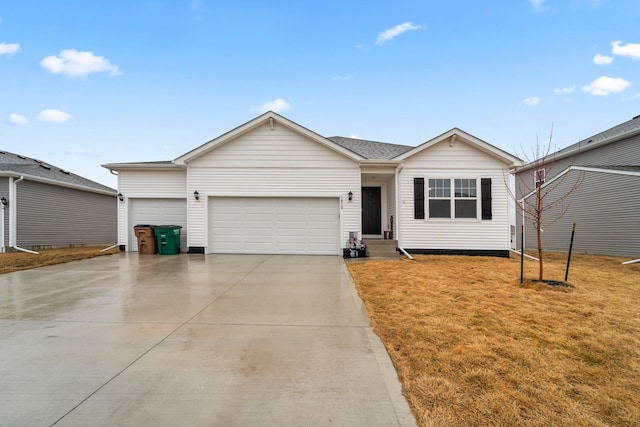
(157, 212)
(459, 161)
(278, 163)
(154, 184)
(280, 148)
(274, 225)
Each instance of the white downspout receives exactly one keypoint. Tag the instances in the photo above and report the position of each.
(12, 211)
(13, 215)
(398, 216)
(523, 231)
(2, 249)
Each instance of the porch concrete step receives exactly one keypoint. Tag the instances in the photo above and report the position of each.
(381, 242)
(382, 249)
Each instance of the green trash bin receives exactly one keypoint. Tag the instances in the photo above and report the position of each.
(168, 237)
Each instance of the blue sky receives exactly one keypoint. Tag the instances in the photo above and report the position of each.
(84, 83)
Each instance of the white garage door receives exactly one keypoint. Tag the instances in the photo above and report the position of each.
(158, 212)
(265, 225)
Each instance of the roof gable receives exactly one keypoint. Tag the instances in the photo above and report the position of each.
(272, 119)
(452, 136)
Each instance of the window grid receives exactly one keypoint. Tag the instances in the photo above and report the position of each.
(463, 204)
(439, 188)
(465, 188)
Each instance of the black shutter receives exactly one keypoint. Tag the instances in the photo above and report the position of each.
(418, 198)
(485, 189)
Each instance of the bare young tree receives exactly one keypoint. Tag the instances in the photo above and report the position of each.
(545, 200)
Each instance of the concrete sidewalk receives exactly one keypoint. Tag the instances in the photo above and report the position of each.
(197, 340)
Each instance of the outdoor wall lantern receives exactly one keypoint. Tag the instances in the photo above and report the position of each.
(350, 196)
(121, 197)
(196, 195)
(4, 201)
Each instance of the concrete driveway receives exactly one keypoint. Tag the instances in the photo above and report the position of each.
(192, 340)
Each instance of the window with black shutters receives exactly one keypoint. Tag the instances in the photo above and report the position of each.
(418, 198)
(485, 190)
(453, 198)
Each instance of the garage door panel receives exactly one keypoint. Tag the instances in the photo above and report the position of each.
(274, 225)
(157, 212)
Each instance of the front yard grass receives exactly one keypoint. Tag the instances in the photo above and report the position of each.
(474, 347)
(16, 261)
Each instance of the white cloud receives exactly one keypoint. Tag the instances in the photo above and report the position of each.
(565, 90)
(17, 119)
(603, 86)
(532, 101)
(77, 63)
(354, 136)
(630, 49)
(395, 32)
(277, 105)
(602, 59)
(9, 48)
(54, 116)
(538, 4)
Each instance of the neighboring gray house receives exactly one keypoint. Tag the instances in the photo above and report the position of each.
(606, 204)
(43, 206)
(272, 186)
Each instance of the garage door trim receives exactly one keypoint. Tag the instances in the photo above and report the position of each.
(274, 225)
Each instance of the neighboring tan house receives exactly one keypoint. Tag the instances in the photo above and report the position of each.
(605, 204)
(43, 206)
(273, 186)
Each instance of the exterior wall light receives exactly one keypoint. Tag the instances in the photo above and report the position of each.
(4, 201)
(350, 195)
(121, 197)
(196, 195)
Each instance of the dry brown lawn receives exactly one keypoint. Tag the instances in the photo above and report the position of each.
(474, 347)
(15, 261)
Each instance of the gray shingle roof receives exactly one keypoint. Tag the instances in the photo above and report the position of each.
(22, 165)
(371, 150)
(627, 128)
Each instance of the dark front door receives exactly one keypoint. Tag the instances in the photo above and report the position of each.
(371, 210)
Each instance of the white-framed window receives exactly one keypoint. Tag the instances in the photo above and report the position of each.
(539, 177)
(462, 202)
(439, 198)
(466, 198)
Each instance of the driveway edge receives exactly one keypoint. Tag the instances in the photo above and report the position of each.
(385, 365)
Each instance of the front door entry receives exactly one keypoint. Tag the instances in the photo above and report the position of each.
(371, 210)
